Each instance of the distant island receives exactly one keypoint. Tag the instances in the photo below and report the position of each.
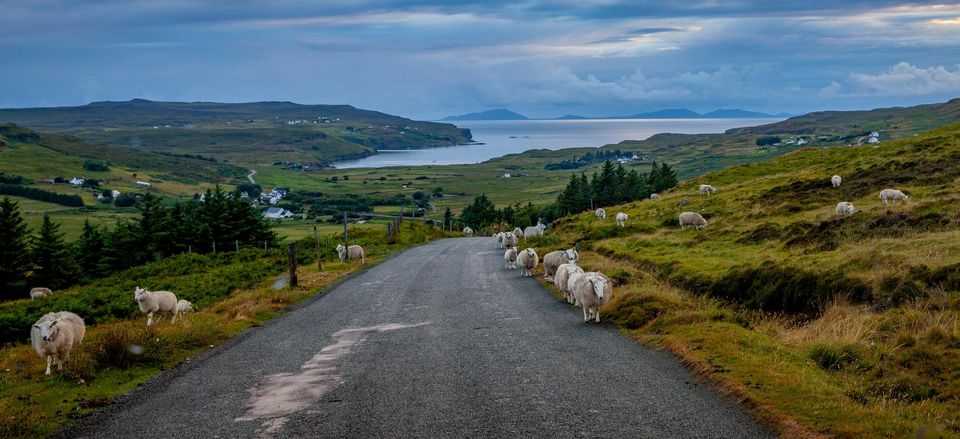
(497, 114)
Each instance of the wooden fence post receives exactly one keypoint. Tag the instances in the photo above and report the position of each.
(292, 261)
(237, 244)
(316, 239)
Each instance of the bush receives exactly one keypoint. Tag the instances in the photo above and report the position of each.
(96, 166)
(41, 195)
(835, 357)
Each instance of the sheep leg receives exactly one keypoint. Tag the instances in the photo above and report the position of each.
(149, 318)
(174, 318)
(49, 361)
(597, 313)
(585, 317)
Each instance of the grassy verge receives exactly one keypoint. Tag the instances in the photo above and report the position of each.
(118, 354)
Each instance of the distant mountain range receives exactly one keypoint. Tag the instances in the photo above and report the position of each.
(673, 113)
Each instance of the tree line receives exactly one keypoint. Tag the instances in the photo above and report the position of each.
(46, 259)
(41, 195)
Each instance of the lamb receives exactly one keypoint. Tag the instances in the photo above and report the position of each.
(40, 293)
(352, 252)
(55, 335)
(536, 230)
(528, 262)
(553, 260)
(892, 195)
(184, 306)
(468, 231)
(156, 302)
(510, 257)
(692, 219)
(845, 208)
(517, 232)
(622, 219)
(836, 180)
(706, 189)
(654, 196)
(564, 271)
(592, 290)
(601, 214)
(510, 240)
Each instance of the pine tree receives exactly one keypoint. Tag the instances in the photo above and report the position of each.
(620, 190)
(153, 233)
(53, 266)
(14, 259)
(667, 178)
(654, 176)
(480, 214)
(447, 218)
(569, 200)
(604, 185)
(89, 252)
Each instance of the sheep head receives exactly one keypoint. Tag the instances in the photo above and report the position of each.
(599, 284)
(139, 294)
(48, 330)
(572, 255)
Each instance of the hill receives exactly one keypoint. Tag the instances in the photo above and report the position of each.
(860, 314)
(676, 113)
(498, 114)
(735, 114)
(249, 133)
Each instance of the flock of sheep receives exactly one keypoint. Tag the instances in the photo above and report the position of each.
(588, 290)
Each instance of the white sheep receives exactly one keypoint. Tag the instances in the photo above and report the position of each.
(692, 219)
(622, 219)
(836, 180)
(600, 213)
(467, 231)
(845, 208)
(654, 196)
(510, 240)
(40, 293)
(499, 237)
(184, 306)
(518, 233)
(553, 260)
(156, 302)
(892, 195)
(352, 252)
(528, 261)
(706, 189)
(510, 257)
(55, 335)
(536, 230)
(564, 271)
(592, 290)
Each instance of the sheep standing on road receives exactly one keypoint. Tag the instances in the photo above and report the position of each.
(510, 240)
(55, 335)
(40, 293)
(510, 257)
(892, 196)
(622, 219)
(518, 233)
(528, 261)
(156, 302)
(467, 231)
(536, 230)
(352, 252)
(836, 180)
(692, 219)
(553, 260)
(601, 214)
(184, 306)
(845, 208)
(564, 271)
(592, 290)
(706, 189)
(499, 237)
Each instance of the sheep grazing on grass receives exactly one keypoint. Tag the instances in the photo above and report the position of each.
(55, 335)
(706, 189)
(592, 290)
(892, 196)
(467, 231)
(692, 219)
(683, 202)
(601, 214)
(352, 252)
(622, 219)
(527, 261)
(845, 209)
(510, 240)
(40, 293)
(564, 271)
(184, 306)
(156, 302)
(553, 260)
(536, 230)
(836, 180)
(510, 257)
(654, 196)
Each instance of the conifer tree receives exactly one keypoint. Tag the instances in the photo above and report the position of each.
(53, 266)
(89, 252)
(14, 258)
(666, 178)
(447, 218)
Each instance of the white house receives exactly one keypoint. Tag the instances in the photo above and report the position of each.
(277, 213)
(506, 175)
(801, 141)
(143, 184)
(873, 140)
(77, 181)
(115, 193)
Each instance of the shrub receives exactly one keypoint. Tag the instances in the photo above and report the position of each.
(835, 356)
(96, 166)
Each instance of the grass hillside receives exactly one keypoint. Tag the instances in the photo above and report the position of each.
(824, 324)
(249, 133)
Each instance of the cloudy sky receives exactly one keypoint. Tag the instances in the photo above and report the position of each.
(430, 58)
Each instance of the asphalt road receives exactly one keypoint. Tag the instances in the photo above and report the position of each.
(439, 341)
